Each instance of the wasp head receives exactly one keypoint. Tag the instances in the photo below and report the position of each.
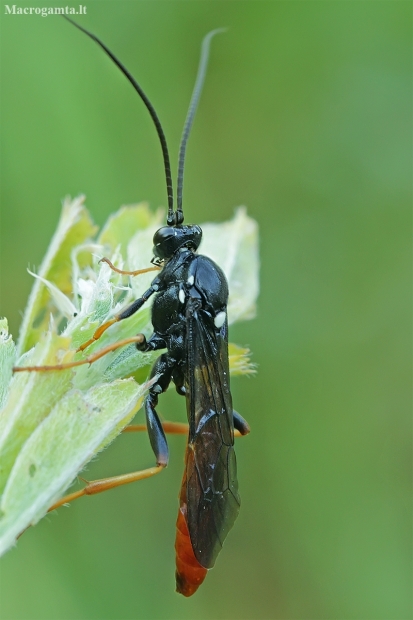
(169, 239)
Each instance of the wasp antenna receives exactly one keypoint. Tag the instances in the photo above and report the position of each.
(151, 111)
(200, 78)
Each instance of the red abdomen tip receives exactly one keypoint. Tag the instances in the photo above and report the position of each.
(189, 572)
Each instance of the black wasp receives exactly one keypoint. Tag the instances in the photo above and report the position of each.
(189, 318)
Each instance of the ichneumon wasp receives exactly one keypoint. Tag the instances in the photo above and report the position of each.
(189, 319)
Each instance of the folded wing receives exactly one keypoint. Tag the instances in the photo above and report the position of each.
(211, 472)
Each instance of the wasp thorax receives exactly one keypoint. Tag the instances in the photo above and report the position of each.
(168, 239)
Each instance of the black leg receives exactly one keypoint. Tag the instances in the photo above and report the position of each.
(135, 305)
(163, 367)
(240, 424)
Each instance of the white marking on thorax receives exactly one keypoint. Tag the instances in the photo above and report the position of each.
(181, 295)
(191, 280)
(220, 319)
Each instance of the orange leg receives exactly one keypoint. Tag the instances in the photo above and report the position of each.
(172, 428)
(88, 360)
(97, 334)
(99, 486)
(128, 273)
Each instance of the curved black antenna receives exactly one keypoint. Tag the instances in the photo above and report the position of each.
(151, 110)
(200, 78)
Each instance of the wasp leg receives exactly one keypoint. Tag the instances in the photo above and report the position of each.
(126, 313)
(172, 428)
(138, 272)
(88, 360)
(99, 486)
(240, 424)
(162, 368)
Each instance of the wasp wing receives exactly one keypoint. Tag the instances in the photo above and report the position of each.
(211, 472)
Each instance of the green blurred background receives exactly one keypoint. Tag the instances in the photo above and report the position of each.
(306, 119)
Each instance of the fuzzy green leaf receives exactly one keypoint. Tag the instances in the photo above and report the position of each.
(75, 227)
